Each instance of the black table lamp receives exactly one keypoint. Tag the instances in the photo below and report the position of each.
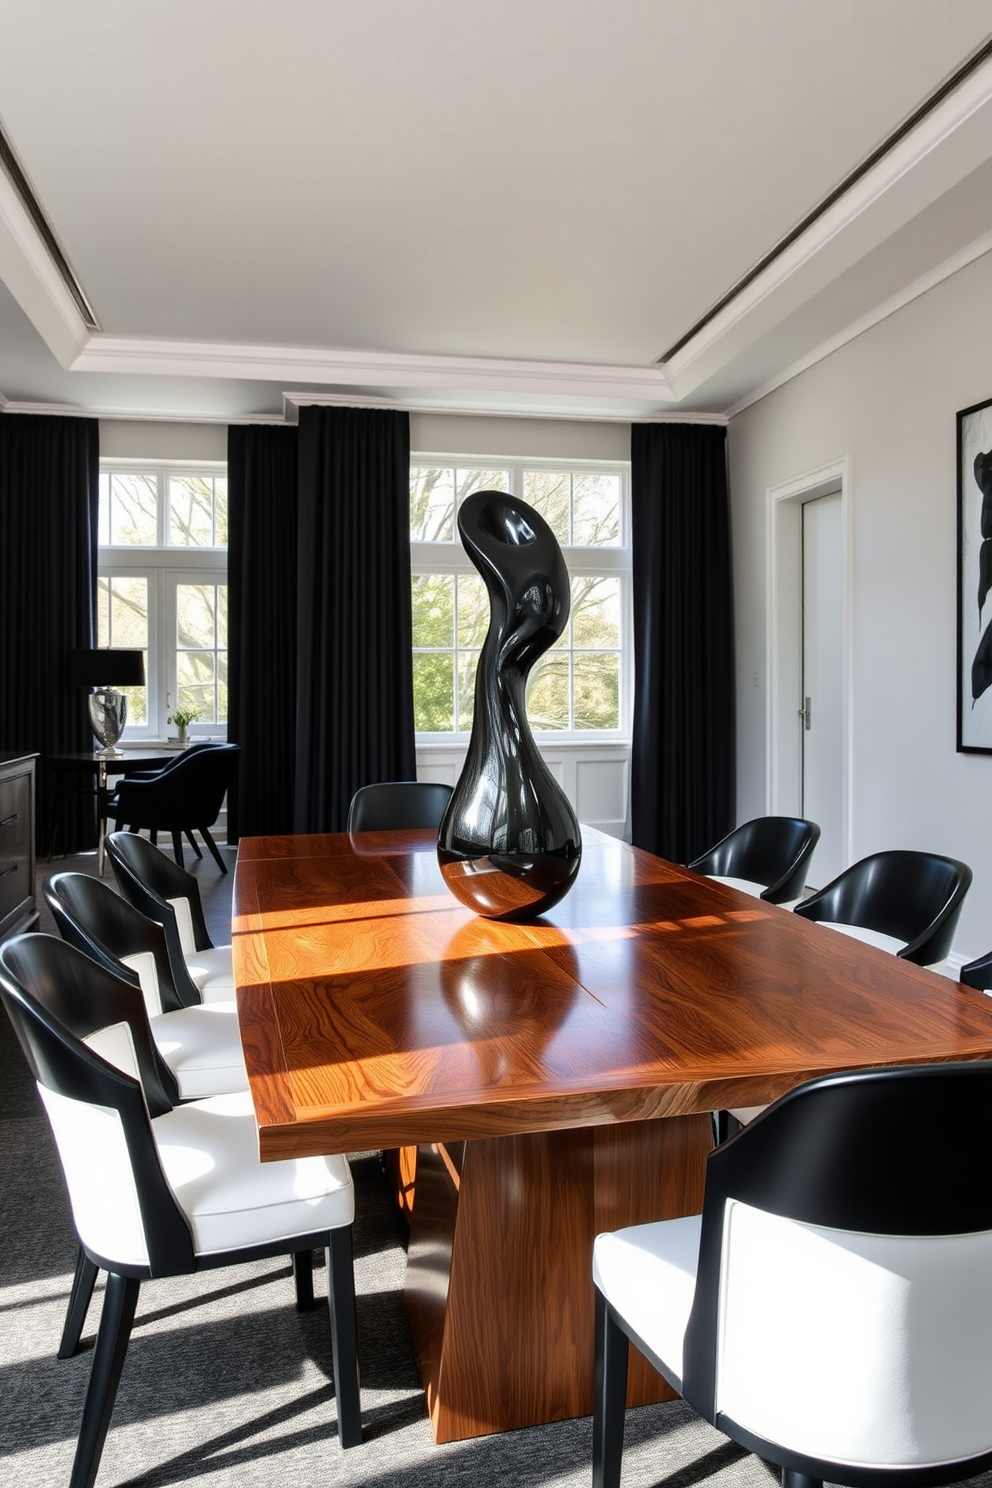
(105, 671)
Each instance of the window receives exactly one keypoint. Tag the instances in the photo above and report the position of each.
(580, 687)
(162, 588)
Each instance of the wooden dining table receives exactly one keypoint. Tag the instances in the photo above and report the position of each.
(538, 1083)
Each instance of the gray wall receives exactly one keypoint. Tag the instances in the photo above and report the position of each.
(886, 402)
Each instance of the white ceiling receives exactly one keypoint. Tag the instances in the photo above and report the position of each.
(517, 206)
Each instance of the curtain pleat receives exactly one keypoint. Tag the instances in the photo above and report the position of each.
(262, 581)
(683, 757)
(354, 671)
(49, 506)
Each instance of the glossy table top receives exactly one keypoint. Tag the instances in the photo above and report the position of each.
(377, 1011)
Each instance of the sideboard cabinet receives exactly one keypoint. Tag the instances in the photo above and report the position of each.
(18, 910)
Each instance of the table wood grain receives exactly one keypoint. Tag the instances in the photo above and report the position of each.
(529, 1064)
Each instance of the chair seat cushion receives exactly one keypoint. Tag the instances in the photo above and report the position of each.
(745, 885)
(869, 937)
(202, 1047)
(648, 1272)
(209, 1153)
(212, 973)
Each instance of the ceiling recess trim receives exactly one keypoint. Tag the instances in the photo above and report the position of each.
(372, 369)
(13, 170)
(970, 65)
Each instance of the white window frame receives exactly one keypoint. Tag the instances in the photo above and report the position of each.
(580, 559)
(164, 568)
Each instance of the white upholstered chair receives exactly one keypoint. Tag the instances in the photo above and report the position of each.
(158, 1189)
(831, 1308)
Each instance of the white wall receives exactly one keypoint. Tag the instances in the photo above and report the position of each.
(147, 439)
(886, 402)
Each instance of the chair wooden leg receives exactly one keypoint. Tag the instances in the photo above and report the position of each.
(213, 848)
(119, 1305)
(194, 844)
(609, 1397)
(177, 848)
(344, 1335)
(79, 1301)
(303, 1277)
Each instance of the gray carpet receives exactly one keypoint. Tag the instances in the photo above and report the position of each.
(226, 1384)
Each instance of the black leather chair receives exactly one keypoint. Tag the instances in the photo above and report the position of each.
(158, 1189)
(902, 901)
(166, 893)
(978, 973)
(768, 857)
(185, 797)
(396, 805)
(908, 902)
(831, 1308)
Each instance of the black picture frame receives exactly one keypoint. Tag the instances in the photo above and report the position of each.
(974, 460)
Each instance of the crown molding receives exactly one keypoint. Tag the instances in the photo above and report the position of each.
(878, 313)
(333, 366)
(939, 151)
(294, 401)
(26, 268)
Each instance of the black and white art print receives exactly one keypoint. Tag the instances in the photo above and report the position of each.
(975, 579)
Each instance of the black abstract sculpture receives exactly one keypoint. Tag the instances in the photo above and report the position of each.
(981, 666)
(509, 844)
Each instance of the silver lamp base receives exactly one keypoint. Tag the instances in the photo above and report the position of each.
(108, 715)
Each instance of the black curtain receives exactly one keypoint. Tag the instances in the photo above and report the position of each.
(354, 669)
(262, 584)
(49, 503)
(683, 755)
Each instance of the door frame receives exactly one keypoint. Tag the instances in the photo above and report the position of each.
(784, 660)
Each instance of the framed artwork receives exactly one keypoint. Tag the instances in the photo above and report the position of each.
(975, 579)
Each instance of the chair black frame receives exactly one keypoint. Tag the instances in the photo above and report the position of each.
(822, 1155)
(71, 998)
(895, 893)
(770, 850)
(148, 879)
(398, 805)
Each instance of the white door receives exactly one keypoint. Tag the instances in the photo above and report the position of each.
(821, 703)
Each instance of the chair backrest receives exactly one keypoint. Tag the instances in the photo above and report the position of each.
(189, 794)
(104, 926)
(86, 1040)
(913, 896)
(397, 805)
(157, 886)
(978, 973)
(843, 1302)
(770, 850)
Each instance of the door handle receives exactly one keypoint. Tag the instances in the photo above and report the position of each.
(806, 712)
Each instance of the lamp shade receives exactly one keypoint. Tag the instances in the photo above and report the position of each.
(107, 668)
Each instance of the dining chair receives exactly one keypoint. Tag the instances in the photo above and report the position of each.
(158, 1189)
(902, 901)
(767, 857)
(184, 798)
(168, 894)
(396, 805)
(198, 1047)
(978, 973)
(200, 1042)
(831, 1307)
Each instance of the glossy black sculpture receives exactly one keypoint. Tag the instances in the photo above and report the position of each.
(509, 844)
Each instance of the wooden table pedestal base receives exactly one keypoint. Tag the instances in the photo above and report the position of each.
(499, 1291)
